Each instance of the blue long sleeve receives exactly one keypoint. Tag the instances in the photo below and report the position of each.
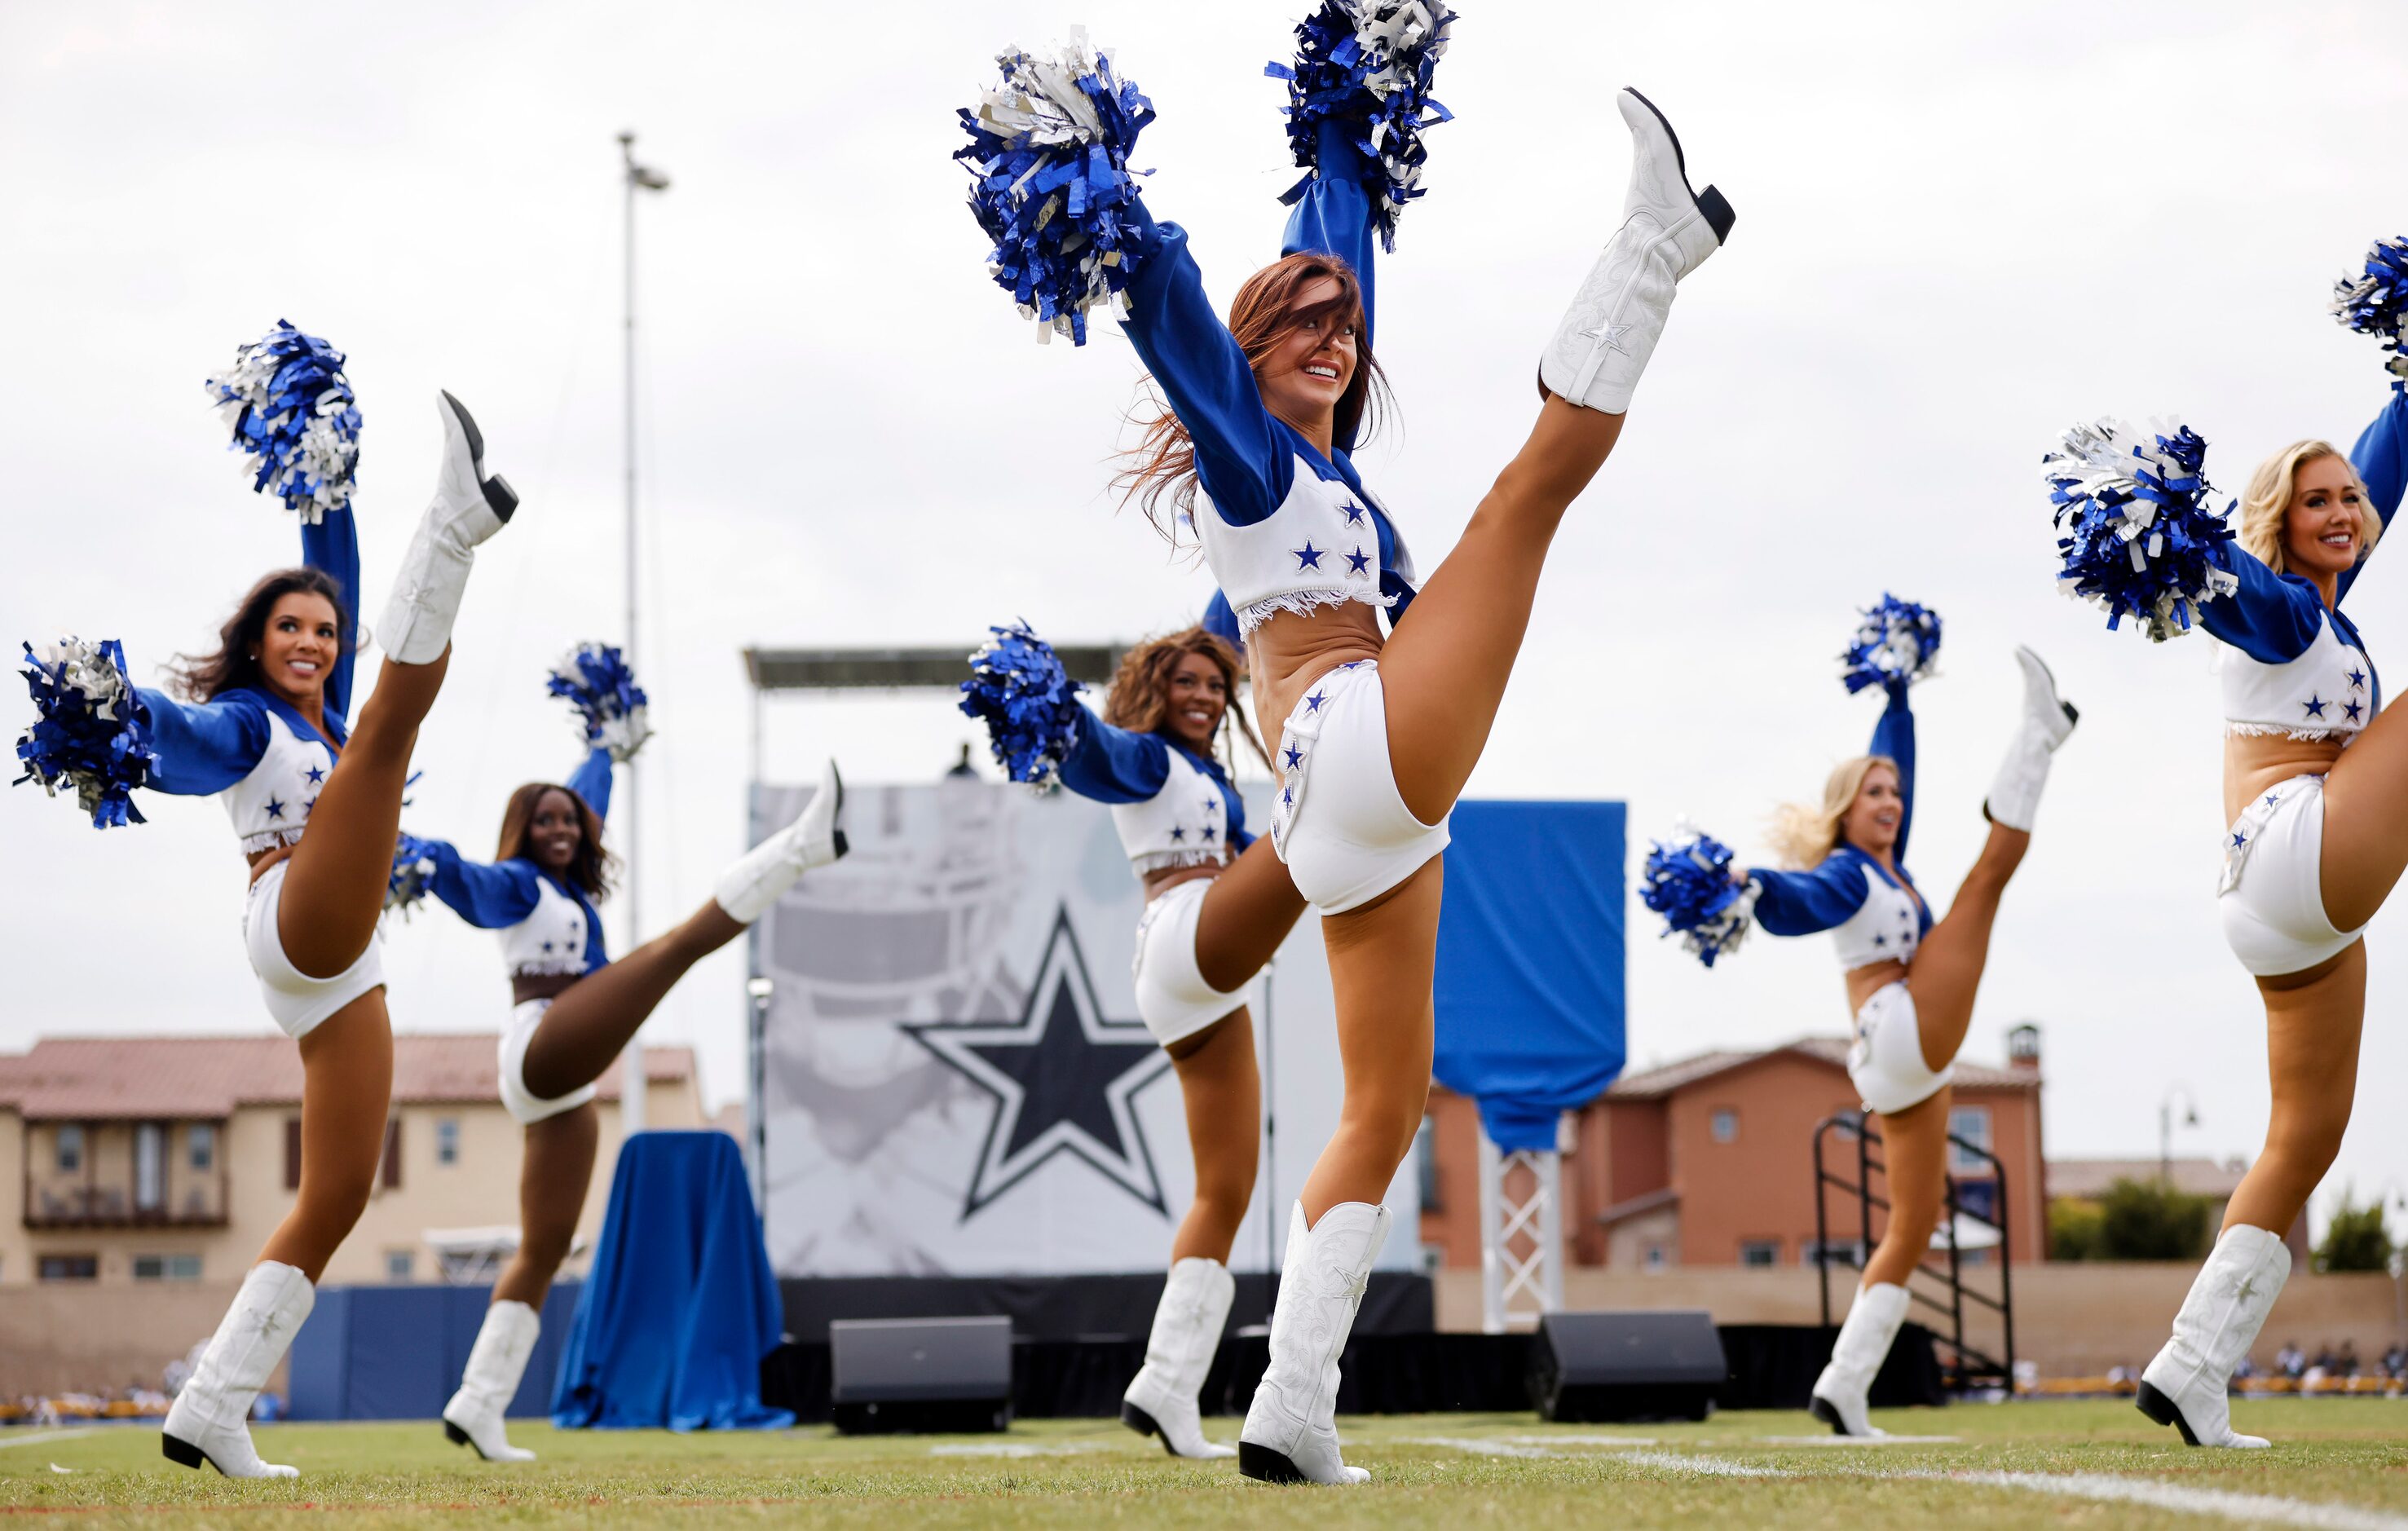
(2271, 618)
(1808, 903)
(1333, 217)
(333, 546)
(203, 748)
(1894, 737)
(592, 781)
(1115, 765)
(490, 897)
(1242, 457)
(2381, 458)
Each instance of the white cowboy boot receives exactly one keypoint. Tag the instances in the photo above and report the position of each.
(467, 509)
(2185, 1385)
(496, 1363)
(759, 878)
(1856, 1358)
(1604, 340)
(1291, 1434)
(1186, 1332)
(2047, 721)
(210, 1420)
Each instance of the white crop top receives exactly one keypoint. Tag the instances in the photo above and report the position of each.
(1887, 927)
(1184, 825)
(549, 940)
(270, 805)
(2327, 692)
(1320, 548)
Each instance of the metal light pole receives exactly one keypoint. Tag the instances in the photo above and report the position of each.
(632, 1080)
(2166, 1130)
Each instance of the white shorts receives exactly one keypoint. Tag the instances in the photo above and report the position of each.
(1173, 998)
(1887, 1064)
(2272, 893)
(296, 1001)
(523, 1106)
(1339, 824)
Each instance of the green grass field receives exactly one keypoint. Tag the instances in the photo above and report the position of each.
(2338, 1463)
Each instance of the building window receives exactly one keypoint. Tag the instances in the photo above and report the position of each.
(68, 1267)
(397, 1264)
(201, 1145)
(447, 1142)
(391, 1175)
(149, 1166)
(70, 1148)
(1425, 1157)
(1656, 1257)
(166, 1267)
(1725, 1124)
(1846, 1252)
(292, 1153)
(1759, 1253)
(1973, 1125)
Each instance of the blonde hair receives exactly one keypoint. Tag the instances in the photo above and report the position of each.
(2266, 504)
(1803, 837)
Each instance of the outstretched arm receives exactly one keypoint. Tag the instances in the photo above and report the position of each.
(592, 781)
(1200, 368)
(2271, 619)
(332, 546)
(490, 897)
(1115, 765)
(2381, 458)
(1894, 737)
(1333, 214)
(203, 748)
(1806, 903)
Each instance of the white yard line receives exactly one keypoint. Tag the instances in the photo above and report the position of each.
(45, 1436)
(1585, 1438)
(1860, 1440)
(1484, 1446)
(1010, 1448)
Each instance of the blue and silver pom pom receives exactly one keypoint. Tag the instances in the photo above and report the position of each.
(94, 734)
(1029, 702)
(1687, 881)
(1366, 66)
(1897, 641)
(1049, 149)
(414, 875)
(288, 405)
(2139, 538)
(2375, 302)
(612, 710)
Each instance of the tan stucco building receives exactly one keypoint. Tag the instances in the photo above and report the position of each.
(170, 1159)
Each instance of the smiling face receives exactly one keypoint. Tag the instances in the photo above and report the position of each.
(1871, 824)
(1198, 697)
(1310, 366)
(556, 833)
(2325, 524)
(297, 650)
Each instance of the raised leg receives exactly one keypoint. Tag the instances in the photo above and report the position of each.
(1223, 1093)
(346, 1091)
(1914, 1153)
(2314, 1020)
(589, 1024)
(2366, 823)
(1381, 958)
(1948, 963)
(555, 1175)
(1248, 911)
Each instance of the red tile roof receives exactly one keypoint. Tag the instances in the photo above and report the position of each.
(205, 1078)
(2091, 1178)
(1655, 1084)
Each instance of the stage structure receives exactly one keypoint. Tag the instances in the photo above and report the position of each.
(949, 1076)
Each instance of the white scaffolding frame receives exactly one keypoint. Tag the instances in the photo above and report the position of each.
(1521, 1238)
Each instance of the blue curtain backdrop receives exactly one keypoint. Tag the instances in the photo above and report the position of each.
(1530, 963)
(681, 1305)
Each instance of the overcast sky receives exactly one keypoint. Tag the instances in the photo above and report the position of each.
(1959, 229)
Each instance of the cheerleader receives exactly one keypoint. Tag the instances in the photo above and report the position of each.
(573, 1008)
(1218, 903)
(2317, 816)
(316, 808)
(1911, 983)
(1380, 736)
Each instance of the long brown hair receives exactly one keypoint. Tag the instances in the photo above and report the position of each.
(593, 867)
(1139, 697)
(234, 662)
(1264, 312)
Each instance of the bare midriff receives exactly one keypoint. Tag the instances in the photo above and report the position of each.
(2255, 763)
(1288, 652)
(1163, 878)
(262, 860)
(1871, 979)
(526, 986)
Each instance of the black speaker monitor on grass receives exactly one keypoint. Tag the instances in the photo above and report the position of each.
(935, 1376)
(1646, 1365)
